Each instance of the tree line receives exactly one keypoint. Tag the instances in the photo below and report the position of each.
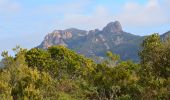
(61, 74)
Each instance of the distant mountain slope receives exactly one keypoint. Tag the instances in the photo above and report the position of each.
(97, 42)
(165, 35)
(1, 63)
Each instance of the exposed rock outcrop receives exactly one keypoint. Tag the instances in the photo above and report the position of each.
(96, 42)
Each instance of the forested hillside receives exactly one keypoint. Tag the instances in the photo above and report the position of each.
(59, 73)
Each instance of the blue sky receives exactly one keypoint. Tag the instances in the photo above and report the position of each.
(26, 22)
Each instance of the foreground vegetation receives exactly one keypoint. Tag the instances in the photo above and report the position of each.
(60, 74)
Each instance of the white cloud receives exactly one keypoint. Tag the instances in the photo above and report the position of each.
(76, 6)
(9, 6)
(99, 17)
(132, 14)
(75, 14)
(151, 14)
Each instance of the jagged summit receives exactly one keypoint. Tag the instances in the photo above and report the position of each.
(96, 42)
(113, 27)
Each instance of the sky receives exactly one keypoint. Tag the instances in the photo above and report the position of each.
(26, 22)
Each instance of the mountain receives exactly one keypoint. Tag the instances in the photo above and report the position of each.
(97, 42)
(2, 63)
(165, 35)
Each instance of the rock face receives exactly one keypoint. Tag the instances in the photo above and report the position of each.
(56, 38)
(98, 42)
(113, 27)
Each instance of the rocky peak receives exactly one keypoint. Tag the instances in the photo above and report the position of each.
(57, 34)
(96, 42)
(57, 37)
(76, 32)
(113, 27)
(94, 31)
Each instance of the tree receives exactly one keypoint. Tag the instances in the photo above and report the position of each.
(38, 58)
(154, 68)
(75, 65)
(18, 81)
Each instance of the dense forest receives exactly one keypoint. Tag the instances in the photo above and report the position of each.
(61, 74)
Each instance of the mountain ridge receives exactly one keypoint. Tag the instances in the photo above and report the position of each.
(97, 42)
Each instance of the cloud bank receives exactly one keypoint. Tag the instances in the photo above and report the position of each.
(9, 6)
(152, 13)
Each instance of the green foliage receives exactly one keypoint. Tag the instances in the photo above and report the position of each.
(18, 81)
(71, 62)
(113, 59)
(155, 67)
(60, 74)
(59, 62)
(38, 58)
(151, 54)
(113, 82)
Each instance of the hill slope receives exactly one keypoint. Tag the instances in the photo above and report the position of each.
(97, 42)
